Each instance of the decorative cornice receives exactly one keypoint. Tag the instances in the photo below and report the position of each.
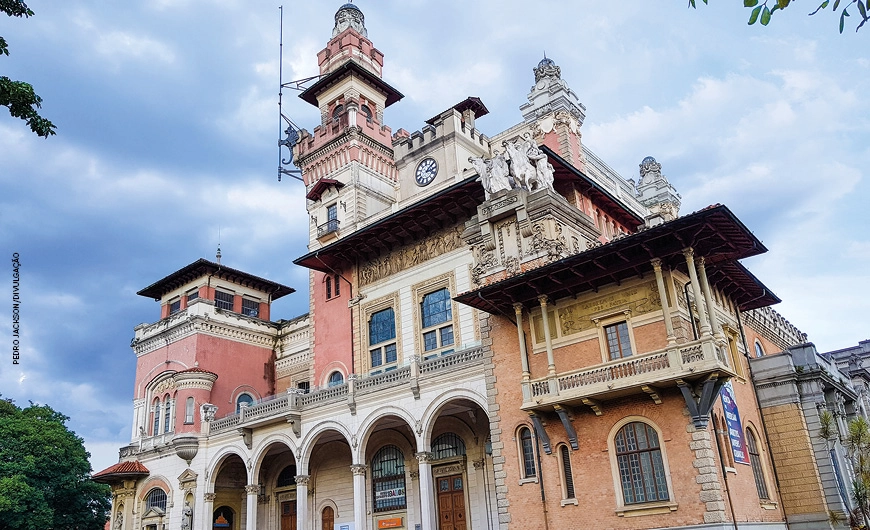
(198, 324)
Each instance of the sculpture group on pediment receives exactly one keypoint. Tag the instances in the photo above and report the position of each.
(523, 165)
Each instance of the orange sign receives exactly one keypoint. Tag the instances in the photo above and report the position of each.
(395, 522)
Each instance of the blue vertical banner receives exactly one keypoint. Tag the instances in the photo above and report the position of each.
(732, 421)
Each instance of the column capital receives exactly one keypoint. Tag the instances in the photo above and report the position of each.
(358, 469)
(657, 264)
(252, 489)
(209, 497)
(543, 300)
(688, 252)
(302, 480)
(700, 261)
(424, 457)
(518, 309)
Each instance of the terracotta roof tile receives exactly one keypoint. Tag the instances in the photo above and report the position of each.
(133, 467)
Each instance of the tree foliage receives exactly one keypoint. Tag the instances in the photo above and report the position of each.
(45, 474)
(763, 11)
(856, 440)
(18, 96)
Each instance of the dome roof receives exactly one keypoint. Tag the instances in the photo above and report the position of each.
(350, 6)
(648, 160)
(546, 61)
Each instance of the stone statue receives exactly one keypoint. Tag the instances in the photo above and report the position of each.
(186, 516)
(521, 168)
(119, 521)
(494, 173)
(543, 168)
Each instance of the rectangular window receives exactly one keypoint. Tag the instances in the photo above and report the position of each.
(618, 343)
(305, 386)
(437, 322)
(250, 308)
(188, 411)
(192, 295)
(224, 300)
(174, 306)
(382, 339)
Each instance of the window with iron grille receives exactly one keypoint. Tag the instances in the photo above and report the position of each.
(641, 468)
(755, 462)
(567, 475)
(250, 308)
(287, 477)
(156, 499)
(224, 300)
(437, 323)
(388, 479)
(167, 415)
(155, 428)
(447, 445)
(382, 340)
(618, 343)
(527, 448)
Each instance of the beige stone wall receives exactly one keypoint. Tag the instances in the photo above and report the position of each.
(799, 481)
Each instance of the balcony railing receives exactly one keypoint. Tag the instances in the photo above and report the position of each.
(295, 403)
(329, 227)
(616, 378)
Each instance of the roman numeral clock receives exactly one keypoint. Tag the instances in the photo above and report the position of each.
(427, 169)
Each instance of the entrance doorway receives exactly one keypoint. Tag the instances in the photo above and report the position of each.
(451, 503)
(288, 515)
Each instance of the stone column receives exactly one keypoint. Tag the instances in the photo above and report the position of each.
(524, 354)
(205, 520)
(708, 294)
(252, 490)
(302, 501)
(666, 310)
(545, 318)
(427, 493)
(359, 496)
(689, 253)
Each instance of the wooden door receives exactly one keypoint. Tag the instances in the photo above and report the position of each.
(328, 518)
(288, 515)
(451, 503)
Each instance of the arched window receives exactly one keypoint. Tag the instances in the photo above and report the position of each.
(335, 379)
(337, 286)
(156, 499)
(755, 461)
(328, 287)
(388, 479)
(167, 415)
(327, 518)
(337, 111)
(367, 112)
(188, 410)
(567, 475)
(155, 429)
(641, 469)
(243, 398)
(759, 351)
(447, 445)
(527, 453)
(287, 477)
(223, 518)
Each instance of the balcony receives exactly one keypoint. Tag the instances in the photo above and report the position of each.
(687, 362)
(328, 229)
(291, 406)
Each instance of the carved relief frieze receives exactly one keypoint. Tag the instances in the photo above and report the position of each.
(411, 255)
(553, 248)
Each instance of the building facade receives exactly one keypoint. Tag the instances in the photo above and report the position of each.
(503, 333)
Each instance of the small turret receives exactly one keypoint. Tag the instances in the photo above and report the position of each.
(656, 193)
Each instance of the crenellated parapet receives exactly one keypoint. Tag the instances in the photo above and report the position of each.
(774, 327)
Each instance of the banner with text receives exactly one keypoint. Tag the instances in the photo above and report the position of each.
(732, 421)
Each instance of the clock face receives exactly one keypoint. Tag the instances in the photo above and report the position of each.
(426, 171)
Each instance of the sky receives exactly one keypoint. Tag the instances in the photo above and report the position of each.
(167, 130)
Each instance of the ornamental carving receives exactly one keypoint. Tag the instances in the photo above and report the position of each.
(483, 260)
(554, 248)
(411, 256)
(576, 318)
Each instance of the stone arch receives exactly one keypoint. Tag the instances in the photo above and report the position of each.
(614, 467)
(430, 415)
(368, 424)
(213, 466)
(155, 481)
(265, 446)
(303, 454)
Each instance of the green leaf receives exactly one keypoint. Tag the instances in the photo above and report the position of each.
(750, 3)
(862, 9)
(843, 19)
(824, 5)
(774, 8)
(765, 16)
(836, 5)
(754, 15)
(692, 3)
(782, 4)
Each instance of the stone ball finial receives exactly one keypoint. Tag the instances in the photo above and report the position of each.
(547, 68)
